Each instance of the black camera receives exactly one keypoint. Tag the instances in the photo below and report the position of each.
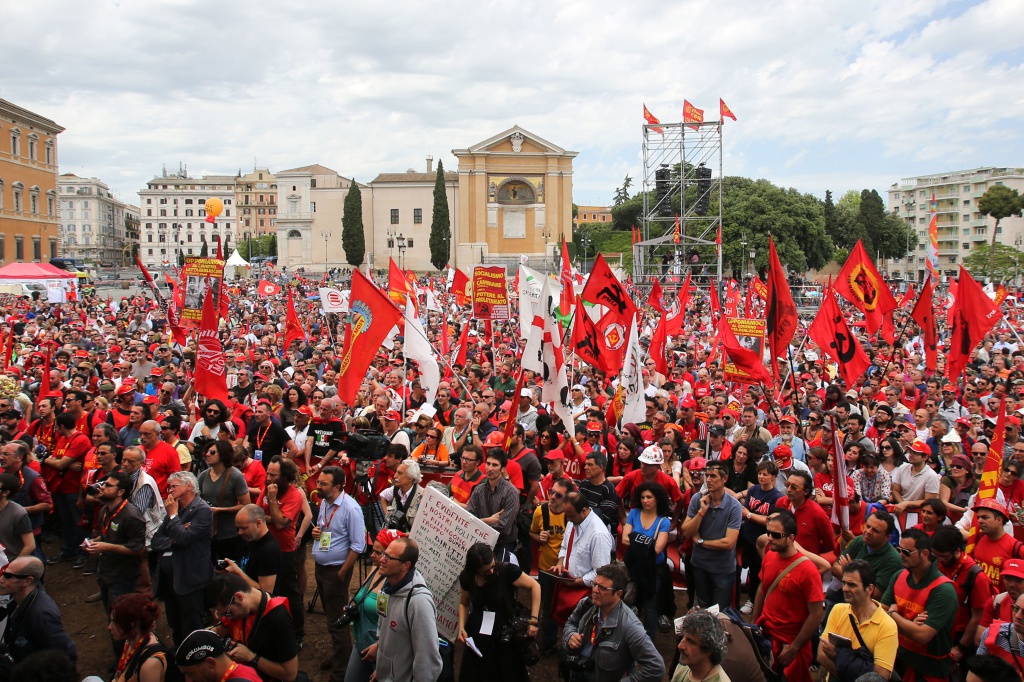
(505, 635)
(349, 615)
(578, 663)
(93, 490)
(364, 445)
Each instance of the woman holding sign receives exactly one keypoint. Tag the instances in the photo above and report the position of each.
(488, 614)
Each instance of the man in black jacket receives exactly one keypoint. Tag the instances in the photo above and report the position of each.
(183, 545)
(33, 618)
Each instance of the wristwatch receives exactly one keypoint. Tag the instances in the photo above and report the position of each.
(700, 541)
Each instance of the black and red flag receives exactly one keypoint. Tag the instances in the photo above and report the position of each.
(780, 309)
(586, 340)
(860, 284)
(604, 288)
(830, 331)
(924, 314)
(745, 359)
(973, 316)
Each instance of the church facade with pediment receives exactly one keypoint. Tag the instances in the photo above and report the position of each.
(515, 198)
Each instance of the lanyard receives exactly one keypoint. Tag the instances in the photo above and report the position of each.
(261, 438)
(110, 519)
(327, 523)
(227, 675)
(126, 656)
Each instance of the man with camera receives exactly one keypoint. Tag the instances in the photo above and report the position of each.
(259, 628)
(603, 640)
(339, 537)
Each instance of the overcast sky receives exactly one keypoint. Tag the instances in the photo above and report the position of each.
(829, 95)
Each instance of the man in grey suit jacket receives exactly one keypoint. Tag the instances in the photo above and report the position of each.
(183, 542)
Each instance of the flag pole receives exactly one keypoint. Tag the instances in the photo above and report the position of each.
(445, 361)
(896, 343)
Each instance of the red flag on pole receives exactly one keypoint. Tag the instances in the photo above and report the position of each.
(830, 331)
(44, 382)
(677, 232)
(860, 284)
(460, 349)
(459, 284)
(724, 111)
(586, 340)
(656, 296)
(780, 309)
(9, 346)
(924, 314)
(373, 318)
(398, 287)
(974, 315)
(745, 359)
(148, 277)
(293, 330)
(210, 375)
(603, 288)
(907, 298)
(716, 306)
(684, 294)
(989, 485)
(652, 120)
(659, 342)
(177, 333)
(692, 114)
(266, 288)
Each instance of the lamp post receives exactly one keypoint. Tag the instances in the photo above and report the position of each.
(327, 235)
(1017, 241)
(401, 251)
(392, 233)
(753, 255)
(743, 244)
(546, 234)
(585, 242)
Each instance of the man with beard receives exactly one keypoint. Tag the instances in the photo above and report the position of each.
(444, 407)
(322, 431)
(44, 429)
(787, 435)
(290, 516)
(881, 426)
(128, 435)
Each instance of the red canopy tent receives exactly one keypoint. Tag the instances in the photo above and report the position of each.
(34, 272)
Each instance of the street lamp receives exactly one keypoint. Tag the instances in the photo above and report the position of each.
(743, 244)
(327, 235)
(1017, 241)
(392, 233)
(753, 255)
(401, 251)
(546, 234)
(585, 242)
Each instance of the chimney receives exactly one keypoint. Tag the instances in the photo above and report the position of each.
(430, 163)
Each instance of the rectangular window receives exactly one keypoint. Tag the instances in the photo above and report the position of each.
(15, 139)
(312, 207)
(31, 149)
(19, 248)
(417, 215)
(49, 162)
(53, 242)
(37, 249)
(150, 252)
(966, 246)
(394, 216)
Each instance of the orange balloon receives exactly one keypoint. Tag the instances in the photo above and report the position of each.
(214, 206)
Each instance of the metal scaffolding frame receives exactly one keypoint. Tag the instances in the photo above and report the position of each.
(687, 146)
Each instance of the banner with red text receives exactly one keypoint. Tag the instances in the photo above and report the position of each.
(198, 274)
(750, 333)
(490, 293)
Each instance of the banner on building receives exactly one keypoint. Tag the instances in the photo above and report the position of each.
(750, 333)
(444, 532)
(198, 274)
(490, 293)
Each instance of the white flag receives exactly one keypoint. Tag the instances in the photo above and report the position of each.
(417, 348)
(333, 300)
(432, 303)
(543, 354)
(632, 380)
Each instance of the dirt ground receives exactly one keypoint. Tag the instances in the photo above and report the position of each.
(87, 625)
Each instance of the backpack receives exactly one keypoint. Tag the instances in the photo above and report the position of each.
(444, 647)
(171, 672)
(759, 640)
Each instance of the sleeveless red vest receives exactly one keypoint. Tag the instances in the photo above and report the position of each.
(910, 602)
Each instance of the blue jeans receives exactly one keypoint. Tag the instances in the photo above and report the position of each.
(70, 515)
(358, 670)
(110, 594)
(649, 605)
(713, 588)
(548, 627)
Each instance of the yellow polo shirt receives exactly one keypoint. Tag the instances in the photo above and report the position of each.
(879, 632)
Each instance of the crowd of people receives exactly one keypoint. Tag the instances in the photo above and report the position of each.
(207, 512)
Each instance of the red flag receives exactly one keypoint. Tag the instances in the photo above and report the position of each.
(718, 235)
(177, 333)
(398, 286)
(924, 314)
(860, 284)
(656, 296)
(460, 349)
(650, 118)
(780, 311)
(605, 289)
(220, 254)
(716, 306)
(459, 284)
(732, 299)
(974, 315)
(745, 359)
(210, 376)
(950, 300)
(293, 330)
(44, 382)
(677, 232)
(830, 331)
(692, 114)
(373, 318)
(684, 295)
(266, 288)
(586, 340)
(1001, 294)
(989, 485)
(724, 110)
(908, 298)
(149, 277)
(510, 423)
(659, 342)
(614, 341)
(565, 279)
(9, 347)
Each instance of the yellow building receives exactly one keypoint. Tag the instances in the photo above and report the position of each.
(593, 214)
(515, 198)
(256, 202)
(28, 185)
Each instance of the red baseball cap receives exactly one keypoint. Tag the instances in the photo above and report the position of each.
(305, 410)
(1013, 568)
(392, 415)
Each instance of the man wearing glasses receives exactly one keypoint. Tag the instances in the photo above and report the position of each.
(923, 603)
(403, 652)
(33, 618)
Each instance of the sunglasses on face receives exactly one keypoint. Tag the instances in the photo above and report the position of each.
(904, 551)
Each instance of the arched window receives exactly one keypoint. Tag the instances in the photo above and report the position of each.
(294, 234)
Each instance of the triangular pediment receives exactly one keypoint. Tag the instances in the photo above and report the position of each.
(503, 143)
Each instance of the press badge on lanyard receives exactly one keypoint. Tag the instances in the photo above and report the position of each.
(382, 604)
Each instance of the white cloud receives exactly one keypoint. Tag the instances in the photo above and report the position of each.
(842, 93)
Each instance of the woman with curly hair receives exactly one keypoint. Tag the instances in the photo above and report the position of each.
(132, 621)
(292, 400)
(623, 461)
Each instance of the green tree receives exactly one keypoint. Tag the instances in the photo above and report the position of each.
(629, 213)
(271, 244)
(352, 239)
(871, 215)
(830, 215)
(1003, 267)
(204, 251)
(895, 239)
(440, 223)
(181, 258)
(622, 193)
(998, 201)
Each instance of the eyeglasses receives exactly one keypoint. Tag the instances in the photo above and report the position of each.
(12, 576)
(957, 466)
(385, 558)
(556, 496)
(469, 459)
(814, 420)
(430, 435)
(906, 552)
(213, 412)
(887, 447)
(603, 588)
(775, 535)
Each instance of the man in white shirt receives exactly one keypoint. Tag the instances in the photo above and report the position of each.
(299, 431)
(913, 483)
(591, 542)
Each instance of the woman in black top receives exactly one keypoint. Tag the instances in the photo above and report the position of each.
(491, 586)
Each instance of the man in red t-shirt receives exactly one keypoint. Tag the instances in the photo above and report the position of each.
(814, 528)
(59, 472)
(162, 459)
(1000, 607)
(791, 609)
(650, 471)
(995, 546)
(288, 517)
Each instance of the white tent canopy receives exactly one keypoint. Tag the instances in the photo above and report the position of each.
(233, 263)
(237, 260)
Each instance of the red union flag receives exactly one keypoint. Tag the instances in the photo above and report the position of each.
(830, 331)
(266, 288)
(211, 376)
(860, 284)
(692, 114)
(651, 119)
(724, 110)
(373, 317)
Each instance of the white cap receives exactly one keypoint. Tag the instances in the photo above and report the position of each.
(652, 454)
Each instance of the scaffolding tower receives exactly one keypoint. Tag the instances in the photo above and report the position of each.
(678, 156)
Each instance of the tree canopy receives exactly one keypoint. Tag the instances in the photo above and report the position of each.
(1004, 264)
(352, 240)
(999, 201)
(440, 223)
